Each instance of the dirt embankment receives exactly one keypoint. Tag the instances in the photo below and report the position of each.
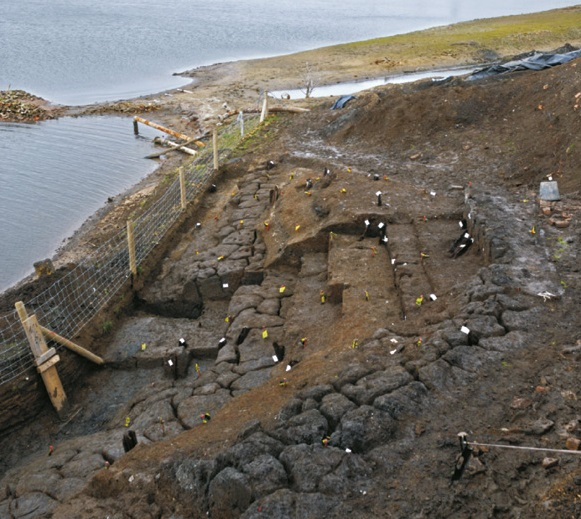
(382, 376)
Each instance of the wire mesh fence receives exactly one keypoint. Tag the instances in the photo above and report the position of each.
(73, 301)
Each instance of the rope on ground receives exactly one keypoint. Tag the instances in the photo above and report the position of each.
(467, 451)
(518, 447)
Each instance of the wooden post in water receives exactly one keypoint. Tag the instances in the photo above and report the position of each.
(45, 360)
(183, 187)
(131, 248)
(215, 145)
(135, 127)
(264, 113)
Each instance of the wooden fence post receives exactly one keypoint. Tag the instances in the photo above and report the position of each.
(45, 360)
(240, 119)
(182, 187)
(131, 247)
(264, 113)
(215, 145)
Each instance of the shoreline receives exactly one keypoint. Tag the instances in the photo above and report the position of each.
(240, 83)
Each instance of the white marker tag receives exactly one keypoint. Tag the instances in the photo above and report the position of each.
(433, 193)
(367, 223)
(393, 351)
(348, 450)
(381, 225)
(393, 261)
(170, 362)
(393, 340)
(224, 285)
(466, 235)
(275, 358)
(465, 330)
(433, 297)
(288, 368)
(378, 193)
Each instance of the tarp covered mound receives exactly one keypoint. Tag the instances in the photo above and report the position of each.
(537, 61)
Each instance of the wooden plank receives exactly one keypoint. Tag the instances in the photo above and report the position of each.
(83, 352)
(45, 356)
(34, 336)
(131, 247)
(47, 370)
(215, 145)
(183, 188)
(264, 113)
(48, 364)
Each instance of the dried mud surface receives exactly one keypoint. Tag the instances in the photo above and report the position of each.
(382, 378)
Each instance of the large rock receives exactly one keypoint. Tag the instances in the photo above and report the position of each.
(43, 482)
(229, 494)
(365, 428)
(308, 427)
(441, 376)
(379, 383)
(349, 478)
(266, 474)
(190, 409)
(243, 453)
(334, 406)
(483, 327)
(527, 321)
(307, 464)
(403, 401)
(510, 342)
(251, 379)
(32, 505)
(189, 479)
(285, 504)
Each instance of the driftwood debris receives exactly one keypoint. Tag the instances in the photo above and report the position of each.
(172, 146)
(169, 131)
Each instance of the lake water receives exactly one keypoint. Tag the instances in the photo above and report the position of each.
(82, 51)
(46, 193)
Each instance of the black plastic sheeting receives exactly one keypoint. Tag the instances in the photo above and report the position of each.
(535, 62)
(341, 102)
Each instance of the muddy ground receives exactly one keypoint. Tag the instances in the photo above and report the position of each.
(373, 378)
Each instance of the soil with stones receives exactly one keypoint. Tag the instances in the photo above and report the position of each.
(336, 342)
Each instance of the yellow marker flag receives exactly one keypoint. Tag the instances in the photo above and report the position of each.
(282, 289)
(143, 346)
(264, 334)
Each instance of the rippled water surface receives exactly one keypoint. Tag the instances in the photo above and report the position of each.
(56, 174)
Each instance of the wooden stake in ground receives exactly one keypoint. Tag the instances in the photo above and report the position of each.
(45, 360)
(215, 145)
(131, 247)
(264, 113)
